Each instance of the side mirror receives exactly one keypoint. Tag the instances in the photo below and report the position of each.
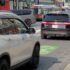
(32, 30)
(2, 2)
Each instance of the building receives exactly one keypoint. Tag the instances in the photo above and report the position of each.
(46, 1)
(19, 4)
(67, 3)
(61, 3)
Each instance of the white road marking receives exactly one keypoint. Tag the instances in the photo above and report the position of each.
(67, 67)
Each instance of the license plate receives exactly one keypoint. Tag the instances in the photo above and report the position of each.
(55, 26)
(58, 26)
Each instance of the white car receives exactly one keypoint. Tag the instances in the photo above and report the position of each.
(18, 42)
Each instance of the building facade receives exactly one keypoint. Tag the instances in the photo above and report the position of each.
(46, 2)
(67, 3)
(61, 3)
(19, 4)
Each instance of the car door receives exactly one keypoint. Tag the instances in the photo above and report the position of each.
(12, 39)
(9, 41)
(26, 40)
(15, 40)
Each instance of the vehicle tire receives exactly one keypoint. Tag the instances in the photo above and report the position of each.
(35, 57)
(4, 65)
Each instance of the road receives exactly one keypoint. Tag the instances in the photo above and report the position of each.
(54, 54)
(58, 59)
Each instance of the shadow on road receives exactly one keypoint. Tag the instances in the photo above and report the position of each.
(24, 67)
(45, 63)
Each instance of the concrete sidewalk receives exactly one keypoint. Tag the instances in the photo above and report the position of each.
(67, 67)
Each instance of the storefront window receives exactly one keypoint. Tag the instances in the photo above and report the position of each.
(20, 4)
(67, 1)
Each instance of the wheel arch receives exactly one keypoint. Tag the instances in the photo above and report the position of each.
(37, 43)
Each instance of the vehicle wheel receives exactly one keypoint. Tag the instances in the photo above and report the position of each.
(4, 65)
(35, 57)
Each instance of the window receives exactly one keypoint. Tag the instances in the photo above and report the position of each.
(67, 1)
(2, 2)
(7, 26)
(20, 26)
(12, 26)
(56, 17)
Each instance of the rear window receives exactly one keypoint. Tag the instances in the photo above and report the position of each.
(56, 17)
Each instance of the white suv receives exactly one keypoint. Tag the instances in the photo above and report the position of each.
(18, 43)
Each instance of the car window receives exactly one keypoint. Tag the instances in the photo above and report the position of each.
(20, 26)
(56, 17)
(6, 26)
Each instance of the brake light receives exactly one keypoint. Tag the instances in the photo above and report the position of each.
(67, 23)
(44, 22)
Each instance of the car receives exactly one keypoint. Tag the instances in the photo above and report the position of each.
(40, 10)
(18, 43)
(56, 25)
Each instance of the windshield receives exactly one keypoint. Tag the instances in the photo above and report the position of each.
(56, 17)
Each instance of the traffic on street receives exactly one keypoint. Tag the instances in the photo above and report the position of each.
(54, 54)
(34, 35)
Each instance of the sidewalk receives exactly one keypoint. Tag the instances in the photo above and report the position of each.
(67, 67)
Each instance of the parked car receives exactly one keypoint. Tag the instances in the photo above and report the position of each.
(56, 24)
(18, 43)
(40, 10)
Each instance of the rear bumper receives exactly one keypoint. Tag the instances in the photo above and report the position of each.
(56, 32)
(39, 19)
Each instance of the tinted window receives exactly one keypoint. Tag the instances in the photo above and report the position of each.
(56, 17)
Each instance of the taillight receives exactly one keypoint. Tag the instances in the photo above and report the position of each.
(67, 23)
(44, 24)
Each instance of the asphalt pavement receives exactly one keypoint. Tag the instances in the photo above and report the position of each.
(54, 54)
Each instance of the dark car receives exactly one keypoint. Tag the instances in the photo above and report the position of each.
(55, 24)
